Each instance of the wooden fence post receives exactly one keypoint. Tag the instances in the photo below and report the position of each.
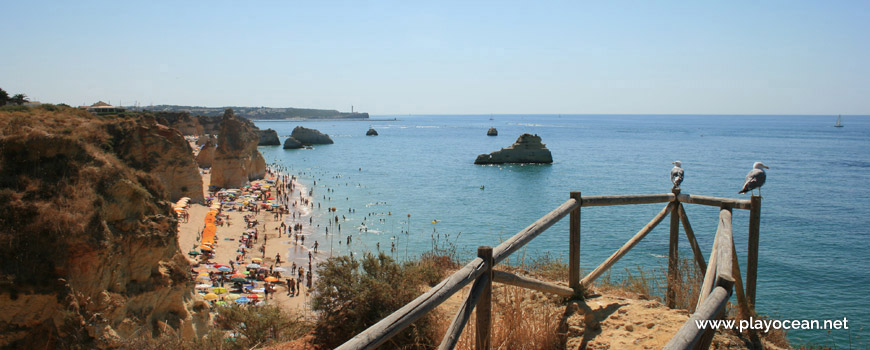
(752, 254)
(673, 254)
(574, 245)
(484, 304)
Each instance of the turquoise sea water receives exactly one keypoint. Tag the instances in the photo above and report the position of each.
(814, 238)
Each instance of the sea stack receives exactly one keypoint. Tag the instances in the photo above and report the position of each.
(308, 137)
(268, 137)
(372, 132)
(291, 143)
(236, 159)
(492, 132)
(527, 149)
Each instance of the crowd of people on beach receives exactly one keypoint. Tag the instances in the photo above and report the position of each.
(247, 275)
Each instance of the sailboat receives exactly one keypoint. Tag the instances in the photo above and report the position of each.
(839, 123)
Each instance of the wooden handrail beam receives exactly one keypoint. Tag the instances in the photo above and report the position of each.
(725, 246)
(597, 201)
(531, 283)
(689, 334)
(713, 201)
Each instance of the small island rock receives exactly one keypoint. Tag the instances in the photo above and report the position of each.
(268, 137)
(492, 132)
(308, 137)
(527, 149)
(291, 143)
(372, 132)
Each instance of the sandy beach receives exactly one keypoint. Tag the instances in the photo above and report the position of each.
(268, 227)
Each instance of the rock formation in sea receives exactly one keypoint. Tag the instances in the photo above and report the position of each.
(90, 252)
(205, 158)
(372, 132)
(309, 137)
(236, 159)
(292, 143)
(268, 137)
(527, 149)
(492, 132)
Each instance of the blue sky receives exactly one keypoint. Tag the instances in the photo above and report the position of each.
(445, 57)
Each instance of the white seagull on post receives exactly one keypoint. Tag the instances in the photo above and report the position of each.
(677, 174)
(755, 178)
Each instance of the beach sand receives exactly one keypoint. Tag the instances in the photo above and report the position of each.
(226, 250)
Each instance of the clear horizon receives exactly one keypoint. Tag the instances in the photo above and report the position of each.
(398, 58)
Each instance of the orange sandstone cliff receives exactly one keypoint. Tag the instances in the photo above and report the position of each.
(236, 159)
(87, 235)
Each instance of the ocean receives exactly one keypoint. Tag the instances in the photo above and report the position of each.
(813, 257)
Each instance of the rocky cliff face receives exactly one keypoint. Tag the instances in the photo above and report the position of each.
(87, 236)
(162, 151)
(205, 158)
(236, 159)
(187, 124)
(309, 137)
(268, 137)
(527, 149)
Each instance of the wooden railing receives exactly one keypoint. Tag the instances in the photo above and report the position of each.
(721, 278)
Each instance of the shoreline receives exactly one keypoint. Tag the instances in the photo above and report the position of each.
(270, 236)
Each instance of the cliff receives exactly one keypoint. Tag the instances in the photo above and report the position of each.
(187, 124)
(265, 113)
(89, 250)
(162, 151)
(236, 159)
(268, 137)
(205, 157)
(527, 149)
(309, 137)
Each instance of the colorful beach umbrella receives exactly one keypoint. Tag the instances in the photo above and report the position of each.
(257, 260)
(271, 279)
(253, 266)
(224, 269)
(210, 296)
(238, 279)
(232, 296)
(203, 286)
(253, 296)
(279, 269)
(219, 290)
(243, 300)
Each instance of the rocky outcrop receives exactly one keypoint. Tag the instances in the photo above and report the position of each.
(291, 143)
(205, 157)
(89, 251)
(268, 137)
(162, 151)
(372, 132)
(187, 124)
(527, 149)
(309, 137)
(236, 159)
(492, 132)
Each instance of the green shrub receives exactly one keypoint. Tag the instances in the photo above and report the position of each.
(352, 295)
(260, 325)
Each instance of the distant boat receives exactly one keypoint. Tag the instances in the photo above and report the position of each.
(839, 123)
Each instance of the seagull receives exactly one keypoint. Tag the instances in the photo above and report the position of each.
(677, 174)
(755, 178)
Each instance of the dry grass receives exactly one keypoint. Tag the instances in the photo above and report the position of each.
(521, 319)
